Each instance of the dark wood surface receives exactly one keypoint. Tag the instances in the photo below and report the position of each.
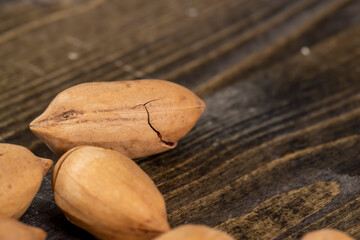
(277, 152)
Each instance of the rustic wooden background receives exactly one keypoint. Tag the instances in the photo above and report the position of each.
(277, 152)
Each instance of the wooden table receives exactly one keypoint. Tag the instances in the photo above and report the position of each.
(277, 152)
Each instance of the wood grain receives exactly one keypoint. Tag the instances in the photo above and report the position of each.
(276, 153)
(295, 205)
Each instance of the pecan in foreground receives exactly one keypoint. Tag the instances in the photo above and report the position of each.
(137, 118)
(194, 232)
(108, 195)
(21, 174)
(327, 234)
(11, 229)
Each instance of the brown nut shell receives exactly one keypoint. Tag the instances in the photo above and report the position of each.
(137, 118)
(21, 174)
(327, 234)
(11, 229)
(194, 232)
(108, 195)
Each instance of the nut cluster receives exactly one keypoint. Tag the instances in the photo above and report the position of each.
(98, 128)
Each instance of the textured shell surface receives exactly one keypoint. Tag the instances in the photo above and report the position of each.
(137, 118)
(194, 232)
(327, 234)
(11, 229)
(107, 194)
(21, 174)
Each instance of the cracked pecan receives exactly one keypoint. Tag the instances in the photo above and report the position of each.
(137, 118)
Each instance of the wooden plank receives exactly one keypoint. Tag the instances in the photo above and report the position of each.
(47, 84)
(301, 25)
(276, 153)
(345, 218)
(255, 146)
